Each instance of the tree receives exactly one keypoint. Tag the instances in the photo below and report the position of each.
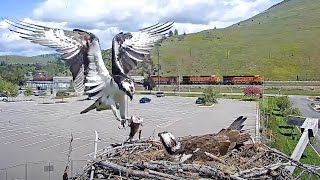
(283, 103)
(176, 32)
(149, 84)
(11, 89)
(170, 33)
(210, 95)
(61, 94)
(27, 91)
(251, 91)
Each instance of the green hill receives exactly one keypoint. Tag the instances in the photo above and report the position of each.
(280, 43)
(42, 59)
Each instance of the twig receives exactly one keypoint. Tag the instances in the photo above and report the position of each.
(118, 169)
(213, 157)
(259, 171)
(164, 174)
(294, 162)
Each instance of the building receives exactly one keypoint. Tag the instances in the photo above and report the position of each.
(62, 82)
(137, 79)
(43, 82)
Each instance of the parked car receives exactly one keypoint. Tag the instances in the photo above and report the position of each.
(40, 93)
(3, 97)
(200, 100)
(160, 94)
(144, 100)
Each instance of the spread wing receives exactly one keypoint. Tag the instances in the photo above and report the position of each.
(238, 123)
(132, 47)
(80, 50)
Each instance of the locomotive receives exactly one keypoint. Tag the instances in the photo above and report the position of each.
(208, 80)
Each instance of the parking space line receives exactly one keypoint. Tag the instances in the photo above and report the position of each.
(76, 138)
(18, 140)
(13, 135)
(167, 123)
(30, 144)
(78, 147)
(55, 145)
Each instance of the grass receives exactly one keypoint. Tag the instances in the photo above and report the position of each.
(232, 89)
(292, 83)
(279, 44)
(282, 136)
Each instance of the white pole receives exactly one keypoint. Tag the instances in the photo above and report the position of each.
(95, 154)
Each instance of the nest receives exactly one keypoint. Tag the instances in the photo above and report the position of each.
(148, 160)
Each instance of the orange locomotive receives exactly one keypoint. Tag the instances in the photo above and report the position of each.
(254, 80)
(212, 79)
(200, 79)
(165, 79)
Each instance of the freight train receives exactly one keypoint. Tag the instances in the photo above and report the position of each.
(207, 80)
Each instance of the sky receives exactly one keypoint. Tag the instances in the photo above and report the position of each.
(106, 18)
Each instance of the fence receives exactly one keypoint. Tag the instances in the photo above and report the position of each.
(49, 170)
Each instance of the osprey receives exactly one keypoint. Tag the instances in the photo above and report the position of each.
(135, 125)
(82, 53)
(217, 144)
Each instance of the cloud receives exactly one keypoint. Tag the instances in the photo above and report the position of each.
(105, 18)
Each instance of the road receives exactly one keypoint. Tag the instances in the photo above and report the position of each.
(302, 102)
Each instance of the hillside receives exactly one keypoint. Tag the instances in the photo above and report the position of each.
(13, 59)
(280, 43)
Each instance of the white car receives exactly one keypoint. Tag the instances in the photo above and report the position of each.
(3, 97)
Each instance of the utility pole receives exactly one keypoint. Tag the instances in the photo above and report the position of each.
(269, 53)
(179, 82)
(158, 68)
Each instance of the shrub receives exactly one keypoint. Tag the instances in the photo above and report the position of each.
(283, 103)
(27, 91)
(210, 95)
(252, 91)
(61, 93)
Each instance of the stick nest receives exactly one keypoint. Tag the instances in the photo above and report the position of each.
(148, 160)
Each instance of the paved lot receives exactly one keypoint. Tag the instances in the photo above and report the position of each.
(31, 131)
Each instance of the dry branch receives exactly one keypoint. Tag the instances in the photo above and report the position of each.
(148, 160)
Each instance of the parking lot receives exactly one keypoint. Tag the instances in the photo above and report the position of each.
(33, 131)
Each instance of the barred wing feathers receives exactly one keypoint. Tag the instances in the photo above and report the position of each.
(132, 47)
(80, 50)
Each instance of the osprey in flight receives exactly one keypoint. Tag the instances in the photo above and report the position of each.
(82, 53)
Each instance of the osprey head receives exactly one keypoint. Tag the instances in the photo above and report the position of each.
(169, 142)
(127, 86)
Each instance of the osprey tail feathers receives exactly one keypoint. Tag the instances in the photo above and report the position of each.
(98, 105)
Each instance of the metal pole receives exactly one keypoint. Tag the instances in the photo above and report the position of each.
(95, 154)
(158, 68)
(49, 170)
(6, 174)
(179, 82)
(71, 168)
(25, 171)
